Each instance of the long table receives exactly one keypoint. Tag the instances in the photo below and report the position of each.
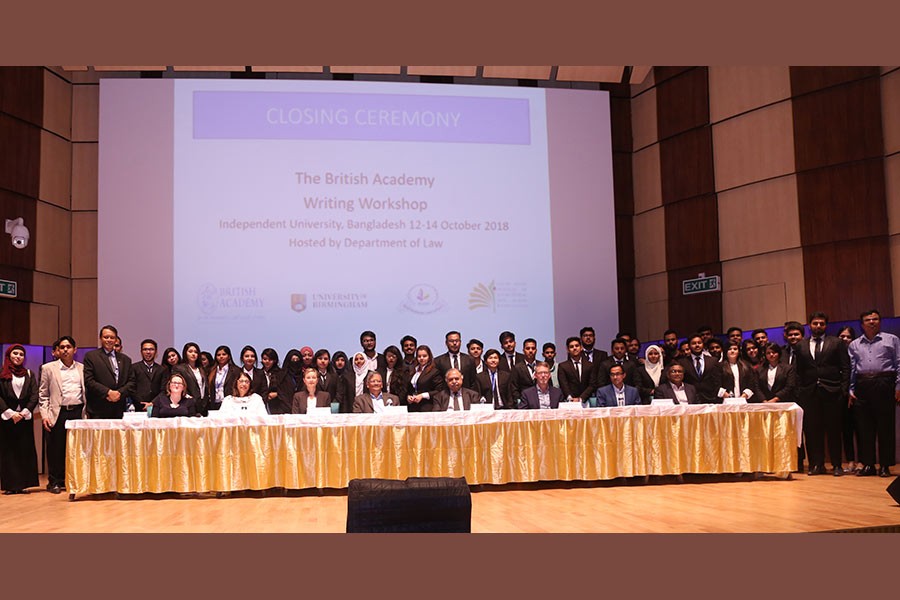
(134, 456)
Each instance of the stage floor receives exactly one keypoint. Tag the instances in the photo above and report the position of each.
(702, 504)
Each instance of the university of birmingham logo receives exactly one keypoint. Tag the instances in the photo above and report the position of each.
(298, 302)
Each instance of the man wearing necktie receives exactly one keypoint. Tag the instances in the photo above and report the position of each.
(455, 397)
(523, 373)
(454, 358)
(576, 375)
(619, 349)
(510, 357)
(823, 370)
(148, 376)
(108, 378)
(702, 371)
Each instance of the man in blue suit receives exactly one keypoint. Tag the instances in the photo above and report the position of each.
(617, 393)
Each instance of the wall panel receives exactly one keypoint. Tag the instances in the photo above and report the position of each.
(682, 103)
(53, 240)
(764, 290)
(759, 218)
(692, 232)
(686, 165)
(844, 278)
(55, 170)
(734, 90)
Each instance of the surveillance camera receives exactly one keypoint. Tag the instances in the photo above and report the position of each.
(18, 232)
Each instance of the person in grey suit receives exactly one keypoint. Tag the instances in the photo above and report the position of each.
(108, 378)
(455, 397)
(542, 395)
(674, 388)
(617, 393)
(374, 401)
(62, 395)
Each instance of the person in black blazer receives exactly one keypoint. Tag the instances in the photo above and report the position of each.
(194, 375)
(650, 374)
(395, 380)
(221, 377)
(747, 384)
(149, 376)
(493, 384)
(531, 397)
(619, 357)
(588, 339)
(823, 375)
(170, 358)
(454, 393)
(463, 362)
(18, 458)
(107, 387)
(258, 383)
(424, 382)
(508, 343)
(328, 379)
(346, 383)
(784, 377)
(576, 375)
(309, 389)
(523, 372)
(708, 380)
(674, 385)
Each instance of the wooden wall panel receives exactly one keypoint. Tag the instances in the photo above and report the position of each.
(661, 74)
(648, 82)
(20, 161)
(839, 124)
(620, 126)
(585, 73)
(13, 206)
(764, 290)
(623, 183)
(842, 202)
(646, 175)
(57, 291)
(624, 247)
(85, 328)
(515, 72)
(55, 170)
(890, 111)
(53, 240)
(692, 232)
(446, 71)
(627, 309)
(735, 90)
(650, 249)
(894, 249)
(84, 176)
(651, 306)
(84, 245)
(22, 92)
(892, 192)
(754, 146)
(809, 79)
(43, 324)
(57, 115)
(682, 102)
(844, 278)
(85, 113)
(686, 165)
(643, 120)
(759, 218)
(687, 313)
(15, 321)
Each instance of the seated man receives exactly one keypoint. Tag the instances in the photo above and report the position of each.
(675, 388)
(542, 395)
(374, 400)
(455, 397)
(617, 393)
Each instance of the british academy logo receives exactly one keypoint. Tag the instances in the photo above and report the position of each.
(207, 298)
(483, 296)
(298, 302)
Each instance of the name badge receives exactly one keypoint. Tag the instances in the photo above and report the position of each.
(570, 406)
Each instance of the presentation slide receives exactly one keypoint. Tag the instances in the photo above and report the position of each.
(287, 213)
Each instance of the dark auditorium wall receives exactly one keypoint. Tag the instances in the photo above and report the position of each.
(782, 180)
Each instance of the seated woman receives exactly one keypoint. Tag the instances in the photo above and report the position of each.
(174, 402)
(242, 401)
(310, 395)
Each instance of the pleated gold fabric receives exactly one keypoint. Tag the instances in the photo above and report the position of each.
(296, 451)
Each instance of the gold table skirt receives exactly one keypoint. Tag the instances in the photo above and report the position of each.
(295, 452)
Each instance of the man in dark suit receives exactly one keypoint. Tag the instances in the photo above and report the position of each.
(523, 374)
(675, 388)
(823, 370)
(702, 371)
(617, 393)
(542, 394)
(373, 400)
(793, 335)
(108, 378)
(576, 375)
(408, 345)
(453, 358)
(455, 397)
(510, 357)
(148, 376)
(588, 339)
(619, 357)
(476, 348)
(493, 384)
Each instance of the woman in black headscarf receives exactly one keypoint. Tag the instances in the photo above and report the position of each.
(18, 398)
(287, 383)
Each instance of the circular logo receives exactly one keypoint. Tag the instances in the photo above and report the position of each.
(206, 298)
(423, 298)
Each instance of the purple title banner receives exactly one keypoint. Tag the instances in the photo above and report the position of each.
(381, 117)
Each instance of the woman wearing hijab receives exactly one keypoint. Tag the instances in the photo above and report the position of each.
(425, 381)
(18, 398)
(346, 381)
(360, 370)
(309, 360)
(174, 401)
(649, 375)
(286, 384)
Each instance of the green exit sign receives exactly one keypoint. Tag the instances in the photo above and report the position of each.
(701, 285)
(7, 289)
